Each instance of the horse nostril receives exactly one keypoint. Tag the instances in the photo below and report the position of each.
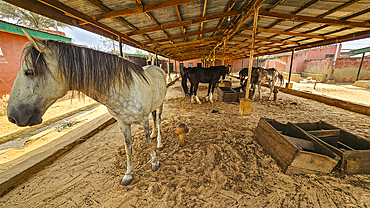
(12, 120)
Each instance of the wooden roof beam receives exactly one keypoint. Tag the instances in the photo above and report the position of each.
(188, 43)
(57, 10)
(244, 18)
(280, 32)
(105, 8)
(138, 2)
(180, 19)
(256, 44)
(308, 19)
(185, 23)
(185, 35)
(231, 5)
(169, 50)
(139, 9)
(352, 36)
(204, 12)
(266, 40)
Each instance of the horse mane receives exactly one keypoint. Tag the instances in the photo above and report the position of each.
(83, 68)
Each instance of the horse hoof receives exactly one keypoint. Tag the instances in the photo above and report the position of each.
(126, 182)
(155, 166)
(159, 148)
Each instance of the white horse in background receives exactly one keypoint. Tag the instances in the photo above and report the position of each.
(50, 69)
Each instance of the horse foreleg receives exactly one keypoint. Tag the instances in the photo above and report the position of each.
(126, 130)
(272, 84)
(154, 132)
(259, 90)
(159, 120)
(148, 140)
(213, 89)
(191, 92)
(195, 93)
(209, 89)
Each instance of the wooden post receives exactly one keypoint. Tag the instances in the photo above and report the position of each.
(120, 46)
(268, 62)
(149, 58)
(290, 85)
(214, 57)
(245, 107)
(359, 69)
(156, 60)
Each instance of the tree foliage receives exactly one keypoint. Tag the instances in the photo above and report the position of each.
(27, 18)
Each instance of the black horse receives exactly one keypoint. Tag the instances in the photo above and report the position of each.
(244, 73)
(198, 75)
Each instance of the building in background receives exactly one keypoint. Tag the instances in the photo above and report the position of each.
(12, 41)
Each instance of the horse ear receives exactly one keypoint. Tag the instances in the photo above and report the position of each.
(34, 42)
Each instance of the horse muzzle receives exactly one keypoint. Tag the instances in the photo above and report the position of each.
(25, 117)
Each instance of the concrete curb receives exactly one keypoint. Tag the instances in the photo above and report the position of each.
(16, 134)
(24, 170)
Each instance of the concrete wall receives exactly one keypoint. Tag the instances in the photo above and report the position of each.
(11, 46)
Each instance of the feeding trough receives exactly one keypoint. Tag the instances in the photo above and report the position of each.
(354, 150)
(227, 94)
(295, 151)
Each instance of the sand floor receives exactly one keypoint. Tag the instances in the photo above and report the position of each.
(341, 91)
(221, 166)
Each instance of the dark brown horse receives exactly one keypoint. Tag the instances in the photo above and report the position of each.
(197, 75)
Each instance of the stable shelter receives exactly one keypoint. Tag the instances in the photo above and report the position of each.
(213, 29)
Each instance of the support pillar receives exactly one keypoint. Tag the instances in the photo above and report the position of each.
(245, 107)
(359, 69)
(120, 46)
(290, 85)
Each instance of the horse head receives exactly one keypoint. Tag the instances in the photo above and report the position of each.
(37, 86)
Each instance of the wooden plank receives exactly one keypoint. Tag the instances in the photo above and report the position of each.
(300, 18)
(139, 9)
(184, 23)
(184, 35)
(300, 143)
(325, 133)
(266, 40)
(290, 170)
(275, 144)
(313, 161)
(280, 32)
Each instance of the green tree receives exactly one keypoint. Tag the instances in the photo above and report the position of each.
(27, 18)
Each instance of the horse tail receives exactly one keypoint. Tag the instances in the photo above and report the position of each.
(184, 78)
(281, 79)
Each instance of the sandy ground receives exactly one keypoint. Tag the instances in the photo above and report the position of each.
(221, 166)
(57, 109)
(341, 91)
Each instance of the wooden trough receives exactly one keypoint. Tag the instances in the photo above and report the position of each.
(227, 94)
(295, 151)
(354, 150)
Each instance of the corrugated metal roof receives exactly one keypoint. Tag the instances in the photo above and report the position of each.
(176, 30)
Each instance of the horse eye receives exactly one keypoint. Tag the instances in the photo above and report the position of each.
(29, 73)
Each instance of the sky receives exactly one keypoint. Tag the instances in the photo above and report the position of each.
(91, 40)
(83, 37)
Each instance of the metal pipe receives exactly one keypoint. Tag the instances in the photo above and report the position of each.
(359, 69)
(291, 65)
(335, 60)
(120, 46)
